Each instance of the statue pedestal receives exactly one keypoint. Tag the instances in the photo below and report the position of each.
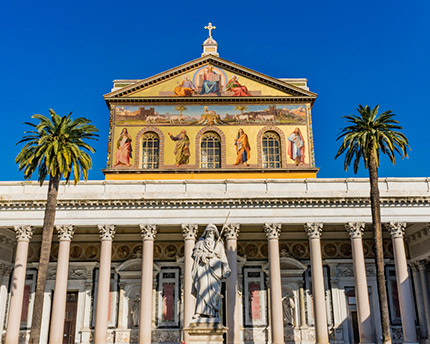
(205, 331)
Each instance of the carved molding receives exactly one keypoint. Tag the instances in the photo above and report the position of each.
(6, 240)
(396, 229)
(23, 233)
(351, 202)
(231, 231)
(5, 269)
(421, 265)
(314, 230)
(148, 231)
(65, 232)
(419, 234)
(355, 229)
(107, 232)
(273, 230)
(189, 231)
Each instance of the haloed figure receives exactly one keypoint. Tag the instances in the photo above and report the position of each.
(242, 148)
(210, 267)
(296, 148)
(123, 152)
(182, 147)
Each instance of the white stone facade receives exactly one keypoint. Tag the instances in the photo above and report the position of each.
(322, 206)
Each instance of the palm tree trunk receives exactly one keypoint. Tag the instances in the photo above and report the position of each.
(45, 251)
(379, 251)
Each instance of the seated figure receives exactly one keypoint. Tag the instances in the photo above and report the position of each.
(211, 82)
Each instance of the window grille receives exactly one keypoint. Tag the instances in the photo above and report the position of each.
(271, 150)
(150, 150)
(210, 151)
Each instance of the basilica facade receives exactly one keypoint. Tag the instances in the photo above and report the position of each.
(207, 142)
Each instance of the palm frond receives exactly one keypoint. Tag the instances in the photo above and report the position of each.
(367, 135)
(57, 147)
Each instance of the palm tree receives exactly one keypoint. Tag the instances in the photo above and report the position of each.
(54, 148)
(241, 108)
(181, 109)
(367, 136)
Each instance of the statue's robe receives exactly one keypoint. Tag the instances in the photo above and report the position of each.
(209, 269)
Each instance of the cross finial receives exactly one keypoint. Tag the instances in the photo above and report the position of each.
(210, 28)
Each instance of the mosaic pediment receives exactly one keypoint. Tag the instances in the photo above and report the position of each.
(208, 77)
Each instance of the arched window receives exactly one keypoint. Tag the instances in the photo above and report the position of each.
(150, 150)
(210, 150)
(271, 150)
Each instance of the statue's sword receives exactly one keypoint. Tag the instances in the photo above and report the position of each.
(222, 229)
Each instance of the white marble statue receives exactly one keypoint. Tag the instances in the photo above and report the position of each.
(209, 269)
(135, 311)
(288, 306)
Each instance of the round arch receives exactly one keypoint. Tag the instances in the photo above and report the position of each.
(199, 136)
(260, 145)
(138, 148)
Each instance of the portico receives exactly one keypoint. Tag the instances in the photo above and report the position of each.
(255, 295)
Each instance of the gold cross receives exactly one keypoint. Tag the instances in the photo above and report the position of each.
(210, 28)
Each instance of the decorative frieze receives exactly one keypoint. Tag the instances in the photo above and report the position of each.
(231, 231)
(107, 232)
(273, 230)
(314, 230)
(355, 229)
(148, 231)
(5, 269)
(189, 231)
(6, 240)
(23, 233)
(237, 203)
(396, 229)
(65, 232)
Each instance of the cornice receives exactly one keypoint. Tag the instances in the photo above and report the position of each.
(252, 202)
(209, 100)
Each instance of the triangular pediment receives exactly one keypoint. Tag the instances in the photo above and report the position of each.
(208, 76)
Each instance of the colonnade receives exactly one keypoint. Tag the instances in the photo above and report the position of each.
(273, 231)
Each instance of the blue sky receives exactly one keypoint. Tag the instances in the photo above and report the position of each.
(65, 56)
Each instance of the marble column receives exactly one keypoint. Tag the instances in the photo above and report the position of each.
(189, 231)
(231, 231)
(318, 291)
(65, 234)
(148, 232)
(273, 231)
(107, 233)
(23, 237)
(122, 317)
(5, 270)
(302, 305)
(355, 231)
(420, 301)
(421, 265)
(406, 301)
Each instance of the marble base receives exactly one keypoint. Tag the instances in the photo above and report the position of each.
(206, 332)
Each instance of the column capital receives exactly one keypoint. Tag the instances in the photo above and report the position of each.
(148, 231)
(23, 233)
(231, 231)
(355, 229)
(421, 264)
(65, 232)
(189, 230)
(107, 232)
(273, 230)
(314, 229)
(396, 229)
